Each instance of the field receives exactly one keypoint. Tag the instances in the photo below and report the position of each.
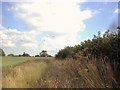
(52, 73)
(13, 61)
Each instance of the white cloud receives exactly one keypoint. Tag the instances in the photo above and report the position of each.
(29, 45)
(13, 38)
(52, 15)
(5, 40)
(62, 17)
(116, 10)
(55, 44)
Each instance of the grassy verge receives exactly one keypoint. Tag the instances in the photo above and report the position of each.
(81, 73)
(69, 73)
(24, 75)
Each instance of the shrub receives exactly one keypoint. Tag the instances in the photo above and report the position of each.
(2, 53)
(100, 46)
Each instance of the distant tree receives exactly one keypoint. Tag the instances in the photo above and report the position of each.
(49, 56)
(2, 53)
(25, 54)
(43, 53)
(11, 55)
(19, 55)
(67, 52)
(37, 55)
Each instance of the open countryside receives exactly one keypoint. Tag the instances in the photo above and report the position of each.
(60, 44)
(72, 67)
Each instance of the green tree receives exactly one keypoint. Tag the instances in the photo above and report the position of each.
(99, 47)
(25, 54)
(11, 55)
(2, 53)
(43, 53)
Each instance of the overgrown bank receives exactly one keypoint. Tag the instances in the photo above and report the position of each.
(24, 75)
(52, 73)
(82, 73)
(101, 50)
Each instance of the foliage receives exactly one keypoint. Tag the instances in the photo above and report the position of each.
(37, 56)
(10, 55)
(25, 54)
(104, 45)
(67, 52)
(43, 53)
(2, 53)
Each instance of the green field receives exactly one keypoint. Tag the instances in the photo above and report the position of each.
(11, 61)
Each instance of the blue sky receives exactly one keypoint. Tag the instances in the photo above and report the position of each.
(103, 18)
(9, 19)
(32, 27)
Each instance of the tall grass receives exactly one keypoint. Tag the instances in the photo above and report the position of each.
(24, 76)
(81, 73)
(69, 73)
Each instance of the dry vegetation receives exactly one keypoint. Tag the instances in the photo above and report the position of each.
(24, 75)
(92, 64)
(69, 73)
(82, 73)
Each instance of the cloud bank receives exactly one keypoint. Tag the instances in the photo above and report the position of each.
(55, 23)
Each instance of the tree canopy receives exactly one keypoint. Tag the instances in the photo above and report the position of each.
(104, 45)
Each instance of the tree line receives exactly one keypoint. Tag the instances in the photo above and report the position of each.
(43, 53)
(100, 46)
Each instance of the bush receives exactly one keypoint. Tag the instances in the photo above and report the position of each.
(11, 55)
(2, 53)
(100, 46)
(37, 56)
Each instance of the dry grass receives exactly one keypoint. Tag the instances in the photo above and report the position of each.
(24, 76)
(69, 73)
(81, 73)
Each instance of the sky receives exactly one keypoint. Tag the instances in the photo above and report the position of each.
(53, 24)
